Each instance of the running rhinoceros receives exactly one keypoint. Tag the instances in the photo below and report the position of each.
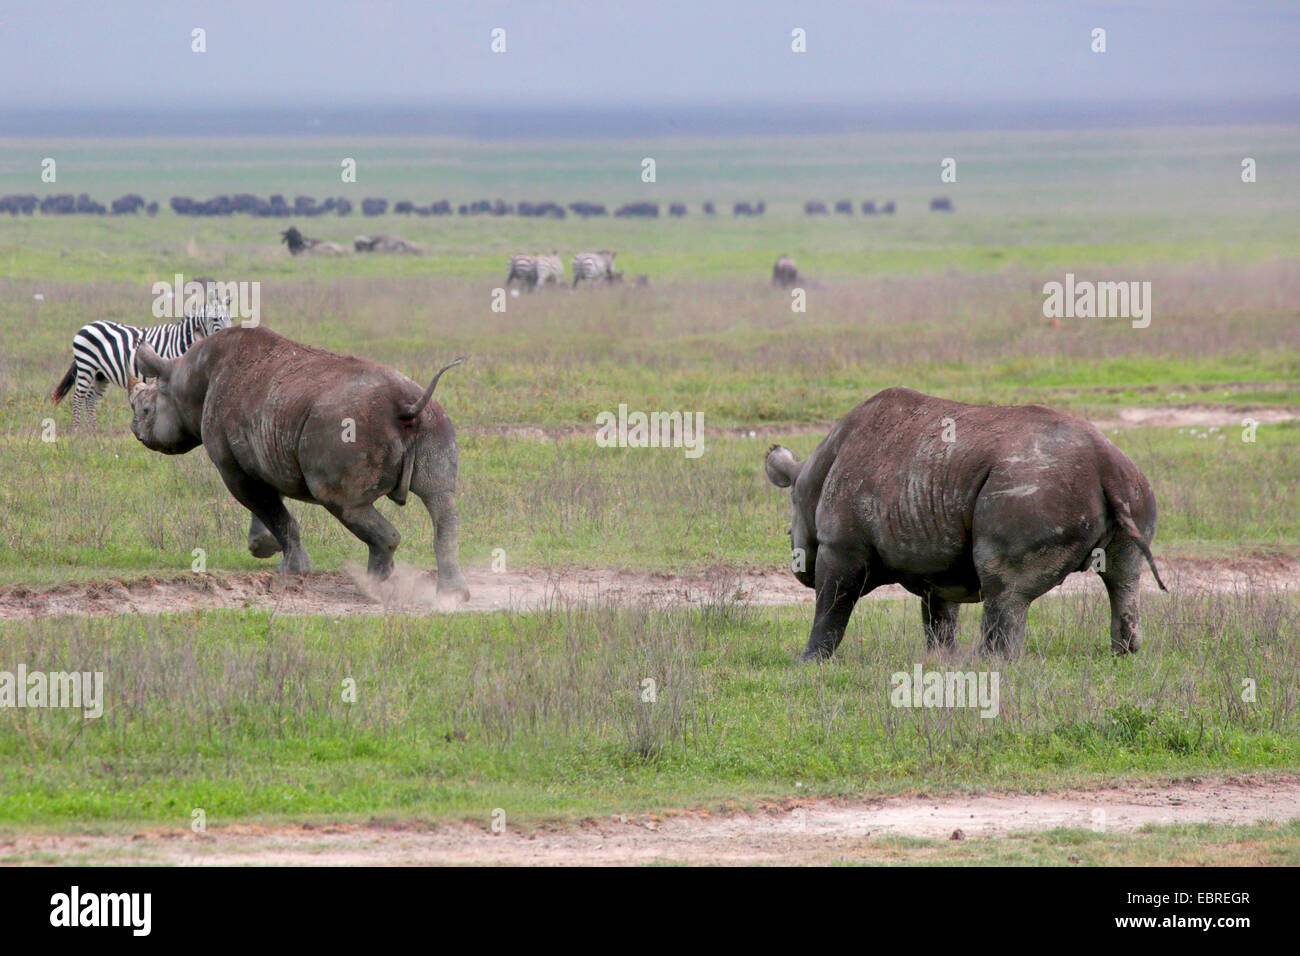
(962, 503)
(281, 418)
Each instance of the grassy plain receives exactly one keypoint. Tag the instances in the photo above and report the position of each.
(240, 712)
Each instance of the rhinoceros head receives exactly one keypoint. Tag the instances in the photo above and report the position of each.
(156, 417)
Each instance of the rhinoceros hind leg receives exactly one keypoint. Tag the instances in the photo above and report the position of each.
(446, 544)
(840, 582)
(376, 531)
(941, 619)
(1123, 571)
(1002, 627)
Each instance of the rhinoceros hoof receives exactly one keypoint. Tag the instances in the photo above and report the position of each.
(457, 593)
(295, 564)
(263, 546)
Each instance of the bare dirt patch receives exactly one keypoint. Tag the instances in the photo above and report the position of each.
(812, 831)
(1196, 416)
(414, 591)
(1192, 415)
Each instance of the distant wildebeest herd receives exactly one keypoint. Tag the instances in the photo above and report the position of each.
(63, 204)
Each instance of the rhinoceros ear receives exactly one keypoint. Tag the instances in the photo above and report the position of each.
(782, 469)
(151, 364)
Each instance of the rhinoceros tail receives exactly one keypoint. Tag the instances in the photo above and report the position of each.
(1121, 511)
(65, 385)
(413, 411)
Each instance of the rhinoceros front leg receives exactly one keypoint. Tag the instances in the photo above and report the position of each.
(268, 509)
(261, 543)
(840, 582)
(376, 531)
(941, 619)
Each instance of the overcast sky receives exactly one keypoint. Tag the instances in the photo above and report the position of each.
(133, 53)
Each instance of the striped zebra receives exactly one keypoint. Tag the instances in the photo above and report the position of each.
(534, 271)
(523, 269)
(103, 352)
(592, 266)
(550, 270)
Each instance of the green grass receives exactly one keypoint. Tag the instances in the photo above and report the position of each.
(243, 714)
(566, 502)
(240, 713)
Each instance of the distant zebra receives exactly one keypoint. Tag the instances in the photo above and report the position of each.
(550, 269)
(104, 352)
(522, 269)
(592, 266)
(533, 271)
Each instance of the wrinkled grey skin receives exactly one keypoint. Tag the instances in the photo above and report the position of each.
(271, 414)
(1017, 500)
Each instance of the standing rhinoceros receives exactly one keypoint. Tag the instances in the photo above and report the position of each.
(962, 503)
(281, 418)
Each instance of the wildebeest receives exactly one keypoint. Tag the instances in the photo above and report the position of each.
(888, 208)
(940, 204)
(541, 210)
(16, 203)
(127, 205)
(844, 207)
(814, 207)
(962, 503)
(298, 243)
(279, 418)
(784, 273)
(677, 209)
(638, 210)
(868, 207)
(393, 244)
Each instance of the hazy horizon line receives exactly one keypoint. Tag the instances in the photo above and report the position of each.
(491, 119)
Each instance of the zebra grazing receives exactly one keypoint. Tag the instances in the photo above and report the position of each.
(592, 266)
(533, 271)
(523, 269)
(550, 270)
(104, 352)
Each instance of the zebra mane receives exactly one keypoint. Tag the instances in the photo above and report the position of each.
(213, 317)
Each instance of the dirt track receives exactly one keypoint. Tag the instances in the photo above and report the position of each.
(414, 591)
(1192, 415)
(791, 832)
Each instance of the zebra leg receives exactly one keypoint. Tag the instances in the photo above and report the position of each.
(79, 399)
(93, 394)
(261, 543)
